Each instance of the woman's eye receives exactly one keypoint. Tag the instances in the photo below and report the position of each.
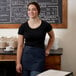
(32, 9)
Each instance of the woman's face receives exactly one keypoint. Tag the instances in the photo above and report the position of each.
(32, 11)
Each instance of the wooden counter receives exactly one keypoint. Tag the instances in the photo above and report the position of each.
(11, 56)
(7, 61)
(53, 61)
(7, 56)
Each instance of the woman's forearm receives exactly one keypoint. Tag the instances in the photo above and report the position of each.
(50, 41)
(19, 55)
(20, 48)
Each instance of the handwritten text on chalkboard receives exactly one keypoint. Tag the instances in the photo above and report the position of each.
(15, 11)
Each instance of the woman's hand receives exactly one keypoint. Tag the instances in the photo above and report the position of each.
(47, 53)
(19, 68)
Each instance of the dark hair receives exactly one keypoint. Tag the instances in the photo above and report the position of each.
(37, 6)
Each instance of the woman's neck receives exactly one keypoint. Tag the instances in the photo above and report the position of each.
(34, 20)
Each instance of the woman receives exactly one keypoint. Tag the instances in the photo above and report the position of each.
(31, 54)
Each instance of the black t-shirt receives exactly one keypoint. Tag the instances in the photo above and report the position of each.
(35, 37)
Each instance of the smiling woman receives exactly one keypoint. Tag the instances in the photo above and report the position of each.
(32, 11)
(33, 52)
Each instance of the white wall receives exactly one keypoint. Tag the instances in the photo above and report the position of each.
(67, 38)
(8, 32)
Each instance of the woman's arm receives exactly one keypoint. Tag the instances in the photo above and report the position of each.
(19, 52)
(50, 42)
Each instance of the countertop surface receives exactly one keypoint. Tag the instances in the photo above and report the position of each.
(2, 52)
(59, 51)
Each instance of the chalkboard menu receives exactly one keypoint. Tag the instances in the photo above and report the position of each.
(15, 11)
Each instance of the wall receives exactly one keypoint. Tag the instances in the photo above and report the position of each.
(8, 32)
(67, 38)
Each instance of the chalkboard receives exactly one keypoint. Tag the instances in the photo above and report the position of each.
(15, 11)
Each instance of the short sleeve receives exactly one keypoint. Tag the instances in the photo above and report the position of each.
(48, 27)
(21, 30)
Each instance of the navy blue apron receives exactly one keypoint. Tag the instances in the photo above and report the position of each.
(33, 58)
